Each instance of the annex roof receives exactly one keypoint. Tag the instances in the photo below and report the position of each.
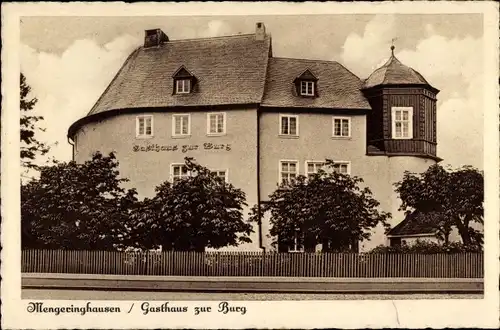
(336, 87)
(417, 223)
(229, 70)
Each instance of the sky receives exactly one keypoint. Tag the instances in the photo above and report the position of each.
(69, 61)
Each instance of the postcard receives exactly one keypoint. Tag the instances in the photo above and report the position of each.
(250, 165)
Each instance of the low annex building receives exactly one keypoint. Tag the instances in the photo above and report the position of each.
(258, 120)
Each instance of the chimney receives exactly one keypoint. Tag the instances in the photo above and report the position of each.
(154, 38)
(260, 31)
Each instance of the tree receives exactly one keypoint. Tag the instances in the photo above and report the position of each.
(76, 206)
(30, 146)
(457, 194)
(328, 208)
(191, 214)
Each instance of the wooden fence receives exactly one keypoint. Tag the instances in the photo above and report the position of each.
(463, 265)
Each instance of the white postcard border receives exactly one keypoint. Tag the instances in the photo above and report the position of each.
(305, 314)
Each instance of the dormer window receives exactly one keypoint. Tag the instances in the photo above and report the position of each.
(184, 81)
(182, 86)
(306, 84)
(307, 88)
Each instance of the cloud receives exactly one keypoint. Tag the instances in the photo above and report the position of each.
(460, 126)
(453, 65)
(363, 52)
(216, 28)
(68, 85)
(213, 28)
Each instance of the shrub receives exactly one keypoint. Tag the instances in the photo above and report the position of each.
(425, 247)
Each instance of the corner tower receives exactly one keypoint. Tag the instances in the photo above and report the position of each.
(403, 120)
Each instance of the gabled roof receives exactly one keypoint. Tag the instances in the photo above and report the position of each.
(393, 72)
(230, 70)
(182, 72)
(337, 88)
(417, 223)
(306, 75)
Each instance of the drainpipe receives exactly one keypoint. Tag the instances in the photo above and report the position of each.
(73, 148)
(259, 223)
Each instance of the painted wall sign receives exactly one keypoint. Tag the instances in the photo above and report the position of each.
(182, 148)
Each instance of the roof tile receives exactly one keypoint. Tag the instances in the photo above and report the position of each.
(416, 223)
(229, 70)
(337, 87)
(393, 72)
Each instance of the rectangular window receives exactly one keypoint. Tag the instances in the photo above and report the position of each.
(313, 167)
(402, 122)
(288, 171)
(144, 126)
(182, 86)
(221, 174)
(178, 172)
(342, 167)
(341, 127)
(216, 123)
(181, 125)
(289, 125)
(395, 241)
(307, 88)
(297, 244)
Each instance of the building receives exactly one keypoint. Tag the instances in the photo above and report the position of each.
(419, 226)
(257, 119)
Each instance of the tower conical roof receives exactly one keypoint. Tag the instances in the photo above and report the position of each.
(393, 72)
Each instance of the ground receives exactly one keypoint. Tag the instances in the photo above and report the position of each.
(151, 295)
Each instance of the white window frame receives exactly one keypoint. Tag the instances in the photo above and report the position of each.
(143, 135)
(172, 171)
(226, 176)
(334, 118)
(281, 161)
(410, 122)
(306, 83)
(177, 115)
(182, 90)
(315, 162)
(344, 162)
(297, 248)
(281, 116)
(224, 119)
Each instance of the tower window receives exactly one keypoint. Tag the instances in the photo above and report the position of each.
(402, 122)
